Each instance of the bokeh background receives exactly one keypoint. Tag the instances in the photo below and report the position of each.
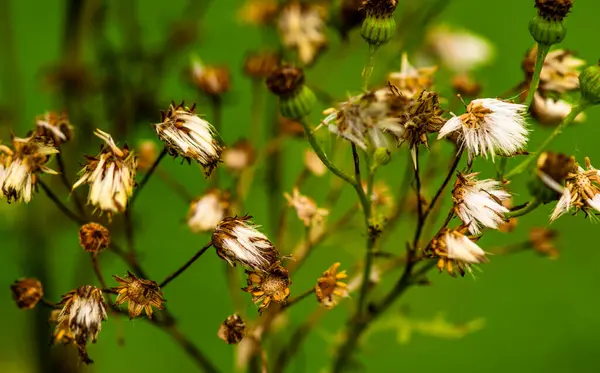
(540, 315)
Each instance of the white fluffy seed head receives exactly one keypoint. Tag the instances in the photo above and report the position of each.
(83, 310)
(462, 249)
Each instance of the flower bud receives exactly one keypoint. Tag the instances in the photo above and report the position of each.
(379, 25)
(295, 99)
(547, 32)
(27, 292)
(382, 156)
(94, 238)
(589, 82)
(232, 330)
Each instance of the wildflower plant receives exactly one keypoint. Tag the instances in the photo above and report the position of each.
(354, 139)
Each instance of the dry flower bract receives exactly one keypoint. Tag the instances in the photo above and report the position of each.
(187, 135)
(330, 288)
(207, 211)
(141, 294)
(265, 287)
(27, 292)
(110, 175)
(232, 330)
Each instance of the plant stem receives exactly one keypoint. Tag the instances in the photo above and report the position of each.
(216, 104)
(297, 299)
(575, 111)
(420, 214)
(97, 271)
(144, 181)
(532, 205)
(61, 206)
(542, 52)
(368, 69)
(172, 276)
(438, 194)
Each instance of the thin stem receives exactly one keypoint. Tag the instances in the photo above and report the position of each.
(63, 176)
(575, 111)
(191, 349)
(142, 184)
(217, 109)
(61, 206)
(368, 69)
(98, 272)
(357, 175)
(438, 194)
(129, 236)
(532, 205)
(256, 114)
(297, 299)
(172, 276)
(420, 214)
(542, 52)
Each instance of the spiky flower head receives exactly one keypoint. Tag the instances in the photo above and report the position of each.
(110, 176)
(302, 27)
(141, 294)
(82, 313)
(94, 237)
(20, 165)
(478, 203)
(27, 292)
(330, 287)
(268, 286)
(207, 211)
(306, 208)
(238, 240)
(454, 248)
(489, 127)
(187, 135)
(55, 127)
(581, 192)
(232, 330)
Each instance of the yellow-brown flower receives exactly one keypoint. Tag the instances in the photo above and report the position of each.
(141, 294)
(265, 287)
(232, 330)
(94, 237)
(27, 292)
(330, 288)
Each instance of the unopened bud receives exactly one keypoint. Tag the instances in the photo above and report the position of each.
(295, 99)
(382, 156)
(547, 32)
(589, 83)
(379, 25)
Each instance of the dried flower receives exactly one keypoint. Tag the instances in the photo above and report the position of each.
(207, 211)
(581, 192)
(455, 249)
(302, 26)
(189, 136)
(212, 80)
(550, 111)
(490, 127)
(27, 292)
(141, 294)
(541, 240)
(20, 164)
(110, 175)
(147, 154)
(478, 203)
(560, 72)
(460, 50)
(240, 156)
(330, 288)
(94, 237)
(267, 286)
(554, 168)
(555, 10)
(82, 313)
(55, 127)
(260, 65)
(411, 81)
(313, 163)
(232, 330)
(238, 240)
(306, 208)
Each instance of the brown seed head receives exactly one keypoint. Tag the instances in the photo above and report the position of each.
(556, 165)
(232, 330)
(94, 237)
(553, 10)
(265, 287)
(27, 292)
(260, 65)
(141, 294)
(380, 8)
(285, 80)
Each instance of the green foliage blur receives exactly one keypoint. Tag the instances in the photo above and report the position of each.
(522, 312)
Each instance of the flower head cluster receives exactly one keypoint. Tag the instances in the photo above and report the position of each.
(80, 318)
(489, 127)
(302, 26)
(330, 288)
(238, 240)
(581, 192)
(268, 286)
(27, 292)
(141, 294)
(478, 203)
(187, 135)
(110, 175)
(19, 166)
(207, 211)
(306, 208)
(454, 248)
(55, 127)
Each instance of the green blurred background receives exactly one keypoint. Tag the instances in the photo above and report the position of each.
(540, 315)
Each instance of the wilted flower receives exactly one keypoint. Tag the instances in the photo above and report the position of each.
(27, 292)
(560, 72)
(581, 192)
(141, 294)
(541, 240)
(212, 80)
(550, 111)
(232, 330)
(272, 285)
(411, 81)
(489, 127)
(238, 240)
(189, 136)
(207, 211)
(94, 237)
(460, 50)
(330, 288)
(239, 157)
(478, 203)
(305, 207)
(110, 175)
(19, 165)
(147, 154)
(55, 127)
(302, 26)
(82, 313)
(454, 248)
(313, 163)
